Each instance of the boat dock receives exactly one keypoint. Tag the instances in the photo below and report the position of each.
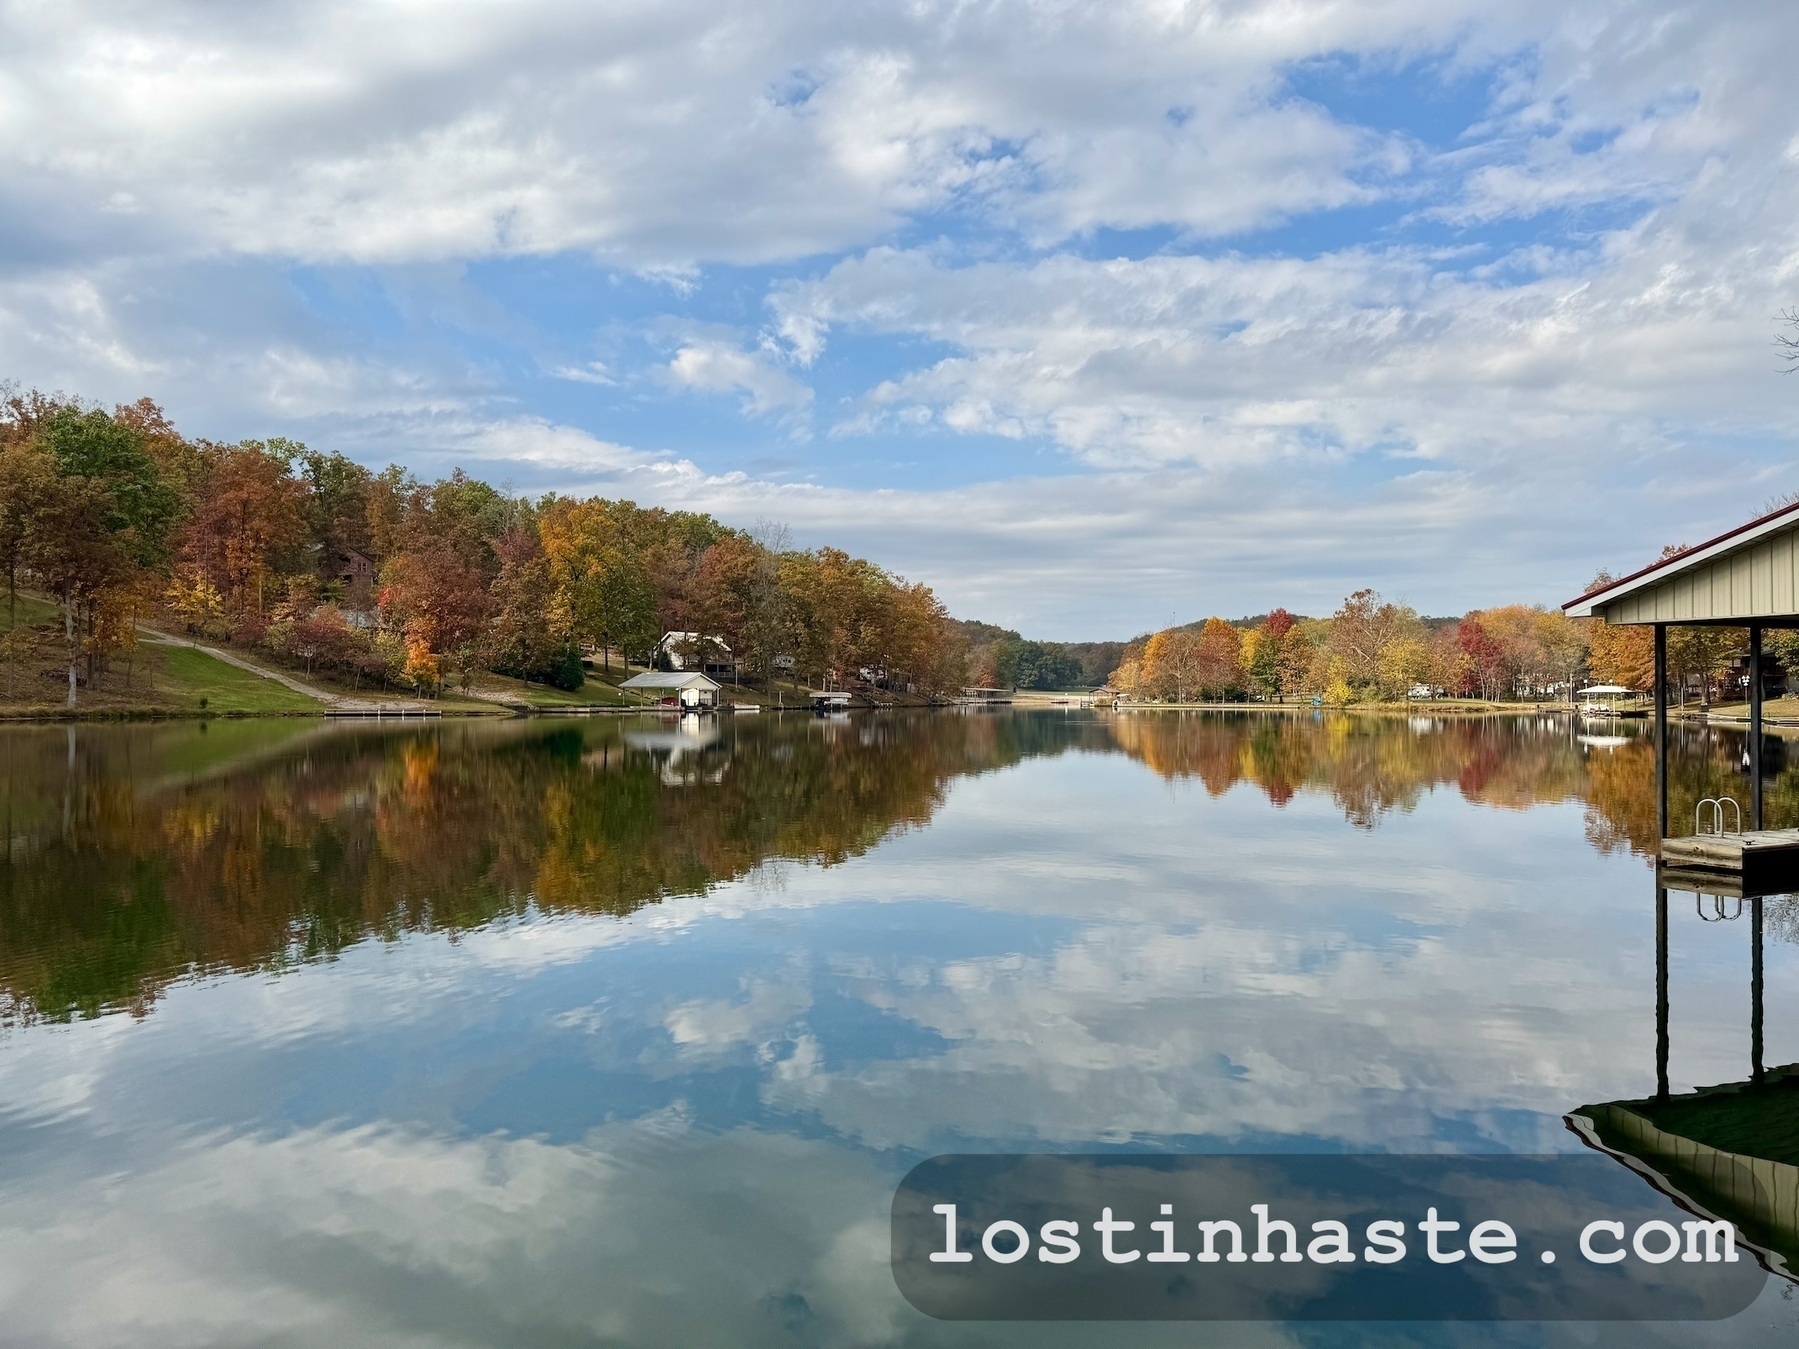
(1748, 859)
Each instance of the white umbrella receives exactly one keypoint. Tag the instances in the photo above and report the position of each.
(1602, 688)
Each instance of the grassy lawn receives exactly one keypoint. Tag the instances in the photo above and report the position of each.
(191, 679)
(1787, 708)
(591, 694)
(594, 693)
(31, 611)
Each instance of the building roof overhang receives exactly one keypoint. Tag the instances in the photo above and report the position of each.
(1688, 559)
(671, 679)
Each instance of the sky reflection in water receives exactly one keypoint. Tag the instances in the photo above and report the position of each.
(622, 1032)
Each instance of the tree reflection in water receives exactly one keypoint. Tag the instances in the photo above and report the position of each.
(140, 855)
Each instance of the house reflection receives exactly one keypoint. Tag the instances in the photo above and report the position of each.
(1728, 1151)
(687, 750)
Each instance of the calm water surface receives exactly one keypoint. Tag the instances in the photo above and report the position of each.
(622, 1032)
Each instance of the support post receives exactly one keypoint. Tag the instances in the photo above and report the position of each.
(1755, 728)
(1661, 992)
(1755, 991)
(1661, 730)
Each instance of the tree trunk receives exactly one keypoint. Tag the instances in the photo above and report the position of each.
(68, 632)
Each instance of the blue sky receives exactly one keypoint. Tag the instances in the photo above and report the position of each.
(1086, 315)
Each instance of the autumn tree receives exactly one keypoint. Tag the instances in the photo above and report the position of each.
(1566, 647)
(1623, 654)
(465, 514)
(922, 650)
(1540, 648)
(1262, 654)
(1128, 677)
(385, 501)
(180, 462)
(247, 523)
(725, 593)
(603, 590)
(841, 616)
(26, 478)
(107, 516)
(1361, 630)
(528, 637)
(1451, 667)
(1701, 653)
(1295, 659)
(1218, 659)
(1488, 674)
(1171, 664)
(1618, 653)
(1403, 664)
(440, 603)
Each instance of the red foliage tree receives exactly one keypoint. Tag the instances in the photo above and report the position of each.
(1486, 658)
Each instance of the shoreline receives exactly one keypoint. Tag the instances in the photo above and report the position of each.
(50, 714)
(1445, 707)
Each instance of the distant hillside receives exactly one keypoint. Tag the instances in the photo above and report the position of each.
(1001, 658)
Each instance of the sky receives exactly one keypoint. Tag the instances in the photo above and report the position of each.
(1094, 317)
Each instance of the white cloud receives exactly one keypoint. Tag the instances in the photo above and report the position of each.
(1425, 418)
(594, 372)
(708, 365)
(663, 135)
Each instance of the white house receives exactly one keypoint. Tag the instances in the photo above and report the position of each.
(682, 650)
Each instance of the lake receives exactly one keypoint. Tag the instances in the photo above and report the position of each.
(622, 1031)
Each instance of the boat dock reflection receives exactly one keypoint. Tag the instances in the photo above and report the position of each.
(1729, 1151)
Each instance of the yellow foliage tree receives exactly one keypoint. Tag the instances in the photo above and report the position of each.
(1402, 664)
(1623, 655)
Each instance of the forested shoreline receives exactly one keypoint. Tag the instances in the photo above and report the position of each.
(1374, 650)
(381, 578)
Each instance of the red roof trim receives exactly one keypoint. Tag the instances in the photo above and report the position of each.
(1683, 553)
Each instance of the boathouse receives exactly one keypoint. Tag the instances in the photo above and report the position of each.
(1726, 1151)
(690, 689)
(1746, 578)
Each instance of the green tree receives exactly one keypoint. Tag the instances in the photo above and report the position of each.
(337, 505)
(141, 507)
(108, 515)
(525, 639)
(26, 476)
(603, 588)
(1702, 653)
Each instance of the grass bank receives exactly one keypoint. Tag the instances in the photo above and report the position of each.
(149, 680)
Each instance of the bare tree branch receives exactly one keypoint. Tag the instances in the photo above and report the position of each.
(1788, 343)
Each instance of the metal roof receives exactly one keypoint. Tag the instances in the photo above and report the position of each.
(1743, 574)
(671, 679)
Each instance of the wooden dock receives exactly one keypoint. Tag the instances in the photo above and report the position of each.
(1752, 859)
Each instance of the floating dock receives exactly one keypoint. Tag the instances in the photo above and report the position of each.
(1752, 859)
